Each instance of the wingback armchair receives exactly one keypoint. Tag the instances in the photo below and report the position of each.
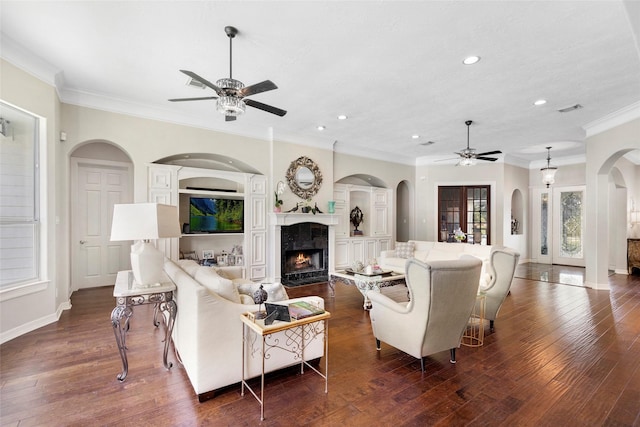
(442, 296)
(502, 268)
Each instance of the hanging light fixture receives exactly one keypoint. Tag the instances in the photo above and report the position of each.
(230, 105)
(548, 173)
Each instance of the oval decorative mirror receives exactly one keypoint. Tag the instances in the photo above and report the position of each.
(304, 177)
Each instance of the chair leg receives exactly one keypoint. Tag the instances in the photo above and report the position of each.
(491, 325)
(377, 344)
(452, 359)
(422, 364)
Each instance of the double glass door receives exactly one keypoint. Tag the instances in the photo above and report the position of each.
(559, 226)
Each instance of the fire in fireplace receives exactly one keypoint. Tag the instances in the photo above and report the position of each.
(303, 260)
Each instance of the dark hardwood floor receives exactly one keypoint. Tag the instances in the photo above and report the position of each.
(560, 355)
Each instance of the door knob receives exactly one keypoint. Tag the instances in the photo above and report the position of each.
(82, 242)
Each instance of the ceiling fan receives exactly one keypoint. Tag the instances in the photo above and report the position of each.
(231, 93)
(468, 156)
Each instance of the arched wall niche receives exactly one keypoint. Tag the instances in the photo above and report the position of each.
(208, 161)
(102, 150)
(404, 209)
(517, 212)
(363, 179)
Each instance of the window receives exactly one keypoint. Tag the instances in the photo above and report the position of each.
(467, 208)
(19, 207)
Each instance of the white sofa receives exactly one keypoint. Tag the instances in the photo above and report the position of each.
(208, 331)
(435, 251)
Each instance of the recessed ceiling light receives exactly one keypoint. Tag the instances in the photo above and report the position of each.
(342, 117)
(415, 136)
(320, 127)
(540, 102)
(470, 60)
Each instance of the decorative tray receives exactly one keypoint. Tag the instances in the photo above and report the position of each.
(363, 273)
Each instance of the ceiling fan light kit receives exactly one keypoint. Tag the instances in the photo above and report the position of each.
(231, 93)
(469, 157)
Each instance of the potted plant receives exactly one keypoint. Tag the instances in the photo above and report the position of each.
(277, 203)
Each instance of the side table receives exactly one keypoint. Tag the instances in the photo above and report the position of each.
(258, 327)
(127, 296)
(473, 336)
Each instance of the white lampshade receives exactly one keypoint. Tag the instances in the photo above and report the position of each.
(145, 221)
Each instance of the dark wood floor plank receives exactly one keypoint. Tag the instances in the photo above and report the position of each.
(560, 354)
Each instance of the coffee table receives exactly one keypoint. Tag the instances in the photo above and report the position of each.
(365, 283)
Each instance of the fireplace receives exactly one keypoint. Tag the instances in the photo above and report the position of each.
(304, 253)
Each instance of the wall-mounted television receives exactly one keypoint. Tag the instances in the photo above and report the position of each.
(216, 215)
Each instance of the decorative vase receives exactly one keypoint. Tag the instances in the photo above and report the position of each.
(277, 209)
(332, 207)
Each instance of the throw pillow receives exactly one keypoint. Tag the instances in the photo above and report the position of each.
(208, 278)
(275, 291)
(404, 249)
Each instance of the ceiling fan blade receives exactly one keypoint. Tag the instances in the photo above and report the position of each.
(488, 153)
(258, 88)
(265, 107)
(193, 99)
(204, 81)
(489, 159)
(229, 118)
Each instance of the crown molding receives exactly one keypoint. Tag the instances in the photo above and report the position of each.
(13, 52)
(610, 121)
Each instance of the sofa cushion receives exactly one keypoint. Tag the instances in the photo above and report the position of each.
(404, 249)
(189, 266)
(438, 255)
(208, 278)
(275, 291)
(420, 255)
(246, 299)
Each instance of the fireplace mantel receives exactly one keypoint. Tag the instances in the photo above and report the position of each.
(279, 220)
(296, 218)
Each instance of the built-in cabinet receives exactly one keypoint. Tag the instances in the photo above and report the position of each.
(175, 185)
(376, 206)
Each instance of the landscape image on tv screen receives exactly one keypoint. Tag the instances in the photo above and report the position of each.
(209, 215)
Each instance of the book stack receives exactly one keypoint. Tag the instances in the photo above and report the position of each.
(303, 309)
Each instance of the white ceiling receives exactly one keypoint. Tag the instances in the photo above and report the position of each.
(395, 68)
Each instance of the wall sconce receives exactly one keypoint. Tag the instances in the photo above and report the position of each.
(548, 173)
(5, 128)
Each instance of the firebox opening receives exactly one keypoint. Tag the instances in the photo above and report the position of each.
(304, 254)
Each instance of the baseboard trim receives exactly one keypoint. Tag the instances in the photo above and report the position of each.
(34, 324)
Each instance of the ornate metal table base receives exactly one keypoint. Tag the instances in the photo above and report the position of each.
(365, 284)
(128, 297)
(299, 333)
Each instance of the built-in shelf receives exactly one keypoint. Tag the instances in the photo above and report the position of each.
(226, 194)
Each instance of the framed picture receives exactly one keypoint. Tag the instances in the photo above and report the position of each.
(231, 259)
(190, 255)
(207, 254)
(222, 259)
(239, 260)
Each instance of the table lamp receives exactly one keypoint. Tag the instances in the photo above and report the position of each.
(142, 222)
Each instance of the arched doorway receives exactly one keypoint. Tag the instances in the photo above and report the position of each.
(101, 176)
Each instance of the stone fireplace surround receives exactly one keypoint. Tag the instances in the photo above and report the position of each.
(279, 220)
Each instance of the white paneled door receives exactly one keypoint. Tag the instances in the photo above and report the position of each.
(96, 187)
